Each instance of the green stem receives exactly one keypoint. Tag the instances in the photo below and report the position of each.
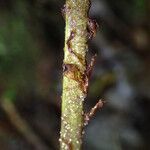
(74, 85)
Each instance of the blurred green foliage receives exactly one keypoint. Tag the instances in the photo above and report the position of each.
(18, 50)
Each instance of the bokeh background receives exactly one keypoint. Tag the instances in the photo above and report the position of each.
(31, 55)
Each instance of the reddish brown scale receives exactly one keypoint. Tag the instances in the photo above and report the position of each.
(85, 84)
(92, 24)
(88, 73)
(73, 72)
(92, 112)
(65, 67)
(91, 66)
(72, 35)
(70, 68)
(92, 28)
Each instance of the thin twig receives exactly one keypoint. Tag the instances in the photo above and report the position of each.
(21, 125)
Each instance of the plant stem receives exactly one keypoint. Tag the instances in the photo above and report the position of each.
(74, 76)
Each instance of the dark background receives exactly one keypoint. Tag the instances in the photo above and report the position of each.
(31, 56)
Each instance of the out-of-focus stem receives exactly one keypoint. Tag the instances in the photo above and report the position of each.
(21, 125)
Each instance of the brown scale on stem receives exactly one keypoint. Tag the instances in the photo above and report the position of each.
(88, 73)
(92, 112)
(92, 28)
(73, 72)
(91, 65)
(92, 25)
(72, 35)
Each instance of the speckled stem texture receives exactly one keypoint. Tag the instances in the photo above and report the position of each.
(74, 68)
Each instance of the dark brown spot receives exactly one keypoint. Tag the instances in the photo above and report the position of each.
(92, 28)
(72, 35)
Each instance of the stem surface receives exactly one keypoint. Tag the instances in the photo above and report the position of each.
(74, 76)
